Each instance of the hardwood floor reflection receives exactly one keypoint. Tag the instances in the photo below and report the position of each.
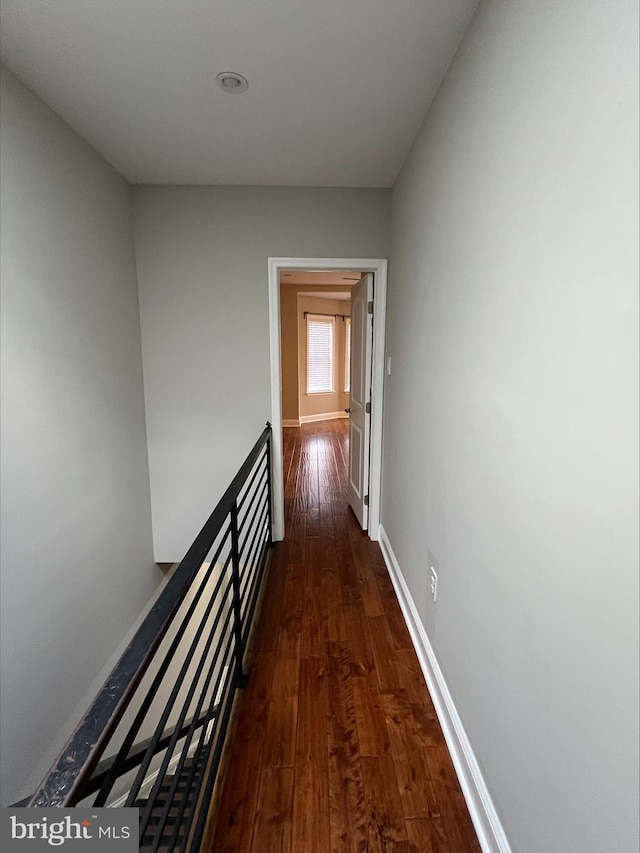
(337, 747)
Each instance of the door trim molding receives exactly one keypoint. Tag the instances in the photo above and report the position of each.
(378, 266)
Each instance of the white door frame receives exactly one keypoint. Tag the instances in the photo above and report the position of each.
(378, 266)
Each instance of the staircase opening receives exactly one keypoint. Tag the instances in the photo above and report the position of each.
(154, 736)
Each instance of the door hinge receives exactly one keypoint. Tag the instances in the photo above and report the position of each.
(367, 408)
(370, 307)
(366, 500)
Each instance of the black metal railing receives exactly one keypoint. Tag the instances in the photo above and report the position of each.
(154, 735)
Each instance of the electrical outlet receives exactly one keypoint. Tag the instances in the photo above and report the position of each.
(434, 571)
(433, 583)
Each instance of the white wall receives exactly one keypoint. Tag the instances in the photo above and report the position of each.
(511, 414)
(77, 565)
(202, 271)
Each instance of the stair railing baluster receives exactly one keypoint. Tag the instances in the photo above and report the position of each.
(241, 678)
(269, 495)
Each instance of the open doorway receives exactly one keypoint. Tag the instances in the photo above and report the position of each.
(372, 272)
(315, 329)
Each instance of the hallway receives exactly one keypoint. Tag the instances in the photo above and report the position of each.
(337, 746)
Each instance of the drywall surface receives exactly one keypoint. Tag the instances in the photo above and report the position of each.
(202, 257)
(511, 414)
(289, 352)
(77, 563)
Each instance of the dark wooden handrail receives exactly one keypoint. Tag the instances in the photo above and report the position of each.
(70, 778)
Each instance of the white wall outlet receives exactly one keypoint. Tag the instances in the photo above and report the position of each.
(433, 583)
(434, 570)
(389, 366)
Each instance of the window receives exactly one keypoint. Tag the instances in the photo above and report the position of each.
(347, 355)
(320, 331)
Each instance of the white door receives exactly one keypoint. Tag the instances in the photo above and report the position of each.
(360, 403)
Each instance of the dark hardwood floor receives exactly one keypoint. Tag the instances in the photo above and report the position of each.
(337, 747)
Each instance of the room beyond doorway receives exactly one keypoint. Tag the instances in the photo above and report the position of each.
(378, 267)
(315, 326)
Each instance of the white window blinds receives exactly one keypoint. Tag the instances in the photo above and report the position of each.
(320, 332)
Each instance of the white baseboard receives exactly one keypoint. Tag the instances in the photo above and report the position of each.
(327, 416)
(290, 422)
(485, 819)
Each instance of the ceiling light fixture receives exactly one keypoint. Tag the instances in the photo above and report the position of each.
(232, 83)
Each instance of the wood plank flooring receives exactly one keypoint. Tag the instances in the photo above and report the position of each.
(338, 748)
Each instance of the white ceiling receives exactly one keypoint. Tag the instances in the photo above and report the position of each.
(337, 88)
(344, 278)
